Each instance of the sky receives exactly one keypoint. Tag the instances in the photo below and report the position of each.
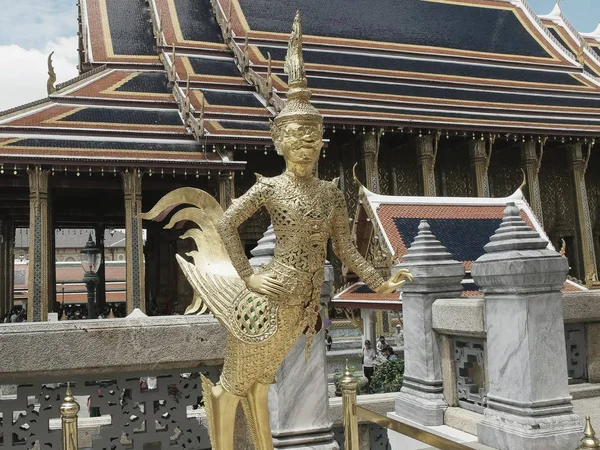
(31, 29)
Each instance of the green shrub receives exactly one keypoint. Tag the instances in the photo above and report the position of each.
(388, 376)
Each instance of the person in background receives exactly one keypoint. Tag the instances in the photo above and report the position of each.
(328, 340)
(381, 344)
(389, 354)
(369, 360)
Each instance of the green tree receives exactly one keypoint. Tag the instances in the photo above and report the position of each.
(388, 376)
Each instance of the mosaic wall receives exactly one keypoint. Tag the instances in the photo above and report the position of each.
(453, 170)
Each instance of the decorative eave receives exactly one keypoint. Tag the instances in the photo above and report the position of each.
(375, 201)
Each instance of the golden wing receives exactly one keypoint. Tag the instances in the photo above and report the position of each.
(210, 257)
(251, 317)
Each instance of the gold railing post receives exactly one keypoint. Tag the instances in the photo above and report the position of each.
(348, 385)
(589, 441)
(68, 413)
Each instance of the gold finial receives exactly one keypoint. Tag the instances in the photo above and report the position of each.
(563, 247)
(69, 407)
(51, 76)
(63, 316)
(589, 441)
(294, 62)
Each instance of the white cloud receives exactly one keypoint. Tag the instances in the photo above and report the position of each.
(24, 72)
(32, 23)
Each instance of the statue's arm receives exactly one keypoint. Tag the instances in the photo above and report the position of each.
(239, 211)
(345, 249)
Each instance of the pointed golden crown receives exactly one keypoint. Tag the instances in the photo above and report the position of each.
(298, 106)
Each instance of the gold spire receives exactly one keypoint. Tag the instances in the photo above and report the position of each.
(589, 441)
(298, 107)
(51, 76)
(294, 62)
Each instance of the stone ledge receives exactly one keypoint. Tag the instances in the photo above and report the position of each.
(581, 306)
(49, 351)
(460, 316)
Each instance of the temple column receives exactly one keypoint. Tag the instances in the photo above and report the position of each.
(578, 166)
(3, 268)
(10, 285)
(41, 261)
(226, 189)
(134, 241)
(7, 261)
(101, 289)
(480, 161)
(531, 165)
(426, 155)
(370, 152)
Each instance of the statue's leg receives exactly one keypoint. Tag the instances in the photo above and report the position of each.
(259, 409)
(223, 408)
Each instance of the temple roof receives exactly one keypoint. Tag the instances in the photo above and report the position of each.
(463, 225)
(203, 73)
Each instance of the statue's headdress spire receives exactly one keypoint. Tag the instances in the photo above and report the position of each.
(298, 106)
(294, 63)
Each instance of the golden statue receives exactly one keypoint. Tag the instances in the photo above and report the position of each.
(265, 312)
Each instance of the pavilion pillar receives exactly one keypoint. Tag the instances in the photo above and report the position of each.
(10, 285)
(41, 261)
(226, 184)
(480, 160)
(578, 166)
(134, 242)
(370, 152)
(426, 155)
(7, 264)
(531, 165)
(101, 289)
(3, 268)
(226, 189)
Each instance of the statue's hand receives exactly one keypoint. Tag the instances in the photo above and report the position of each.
(266, 284)
(397, 280)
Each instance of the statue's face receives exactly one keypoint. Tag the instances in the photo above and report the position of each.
(301, 142)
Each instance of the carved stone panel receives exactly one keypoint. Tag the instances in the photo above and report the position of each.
(576, 352)
(156, 411)
(471, 383)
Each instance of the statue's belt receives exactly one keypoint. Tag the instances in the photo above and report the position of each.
(298, 283)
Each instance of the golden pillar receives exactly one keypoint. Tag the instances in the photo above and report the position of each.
(69, 410)
(578, 166)
(480, 162)
(134, 241)
(350, 420)
(531, 165)
(426, 155)
(370, 150)
(41, 262)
